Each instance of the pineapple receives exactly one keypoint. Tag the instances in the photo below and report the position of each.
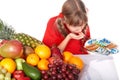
(7, 32)
(26, 39)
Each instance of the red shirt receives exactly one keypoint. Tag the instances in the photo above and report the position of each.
(53, 36)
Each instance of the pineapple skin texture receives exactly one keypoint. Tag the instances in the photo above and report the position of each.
(26, 40)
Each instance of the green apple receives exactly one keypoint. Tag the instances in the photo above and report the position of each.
(19, 62)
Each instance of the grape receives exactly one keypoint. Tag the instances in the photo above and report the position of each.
(63, 69)
(1, 76)
(64, 75)
(76, 71)
(54, 62)
(58, 68)
(8, 74)
(43, 72)
(53, 72)
(7, 78)
(64, 66)
(70, 76)
(59, 76)
(50, 78)
(61, 62)
(3, 70)
(4, 74)
(67, 72)
(57, 64)
(54, 68)
(70, 67)
(45, 76)
(54, 77)
(67, 78)
(76, 77)
(50, 65)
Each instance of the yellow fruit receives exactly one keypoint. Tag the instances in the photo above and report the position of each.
(43, 64)
(32, 59)
(77, 61)
(43, 51)
(9, 64)
(67, 55)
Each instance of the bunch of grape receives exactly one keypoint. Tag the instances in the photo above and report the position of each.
(60, 71)
(4, 74)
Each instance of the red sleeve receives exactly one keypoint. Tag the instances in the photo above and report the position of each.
(88, 32)
(52, 36)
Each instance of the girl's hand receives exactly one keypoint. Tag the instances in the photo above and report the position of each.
(76, 36)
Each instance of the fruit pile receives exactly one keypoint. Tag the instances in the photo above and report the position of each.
(23, 57)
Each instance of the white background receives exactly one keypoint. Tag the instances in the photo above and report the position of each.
(31, 16)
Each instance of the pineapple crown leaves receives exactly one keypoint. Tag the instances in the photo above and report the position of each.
(6, 31)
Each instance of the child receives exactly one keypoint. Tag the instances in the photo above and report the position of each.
(69, 30)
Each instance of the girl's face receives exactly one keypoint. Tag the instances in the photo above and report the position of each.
(75, 29)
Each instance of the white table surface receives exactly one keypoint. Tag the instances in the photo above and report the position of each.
(116, 59)
(100, 67)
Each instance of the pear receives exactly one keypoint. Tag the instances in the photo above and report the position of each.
(28, 50)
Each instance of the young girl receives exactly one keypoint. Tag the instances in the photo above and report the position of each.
(69, 30)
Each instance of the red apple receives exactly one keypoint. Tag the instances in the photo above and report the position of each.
(24, 78)
(18, 74)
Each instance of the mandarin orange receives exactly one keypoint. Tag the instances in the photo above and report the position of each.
(67, 55)
(43, 64)
(9, 64)
(77, 61)
(32, 59)
(43, 51)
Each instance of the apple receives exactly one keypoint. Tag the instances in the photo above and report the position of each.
(56, 52)
(18, 74)
(24, 78)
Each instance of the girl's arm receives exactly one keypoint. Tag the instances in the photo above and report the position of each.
(70, 36)
(64, 43)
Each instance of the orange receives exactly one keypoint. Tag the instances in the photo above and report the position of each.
(77, 61)
(9, 64)
(43, 64)
(43, 51)
(67, 55)
(32, 59)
